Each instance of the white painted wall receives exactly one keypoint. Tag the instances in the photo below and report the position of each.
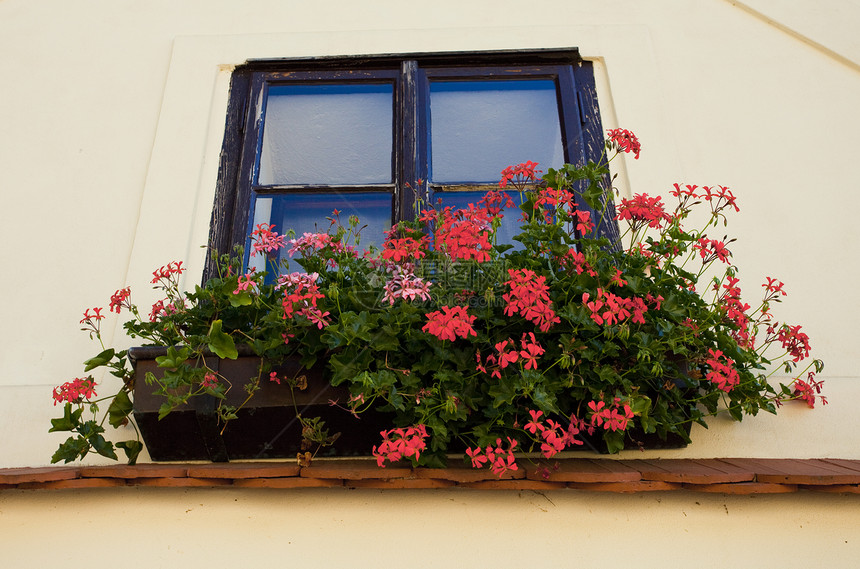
(113, 114)
(111, 118)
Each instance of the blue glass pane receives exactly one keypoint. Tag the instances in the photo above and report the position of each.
(328, 134)
(510, 222)
(307, 213)
(478, 128)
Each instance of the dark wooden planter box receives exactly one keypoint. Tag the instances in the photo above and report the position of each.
(266, 426)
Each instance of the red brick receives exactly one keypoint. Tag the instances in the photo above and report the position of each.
(179, 482)
(584, 470)
(513, 485)
(401, 483)
(693, 471)
(45, 474)
(136, 471)
(353, 470)
(456, 471)
(798, 471)
(834, 488)
(237, 470)
(293, 482)
(743, 488)
(74, 483)
(626, 487)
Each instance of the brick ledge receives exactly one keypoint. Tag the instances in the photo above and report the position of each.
(724, 475)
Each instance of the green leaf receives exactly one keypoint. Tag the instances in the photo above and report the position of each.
(71, 450)
(69, 421)
(173, 359)
(100, 360)
(119, 409)
(241, 299)
(164, 410)
(221, 344)
(102, 446)
(132, 449)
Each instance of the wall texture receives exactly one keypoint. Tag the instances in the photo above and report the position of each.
(112, 114)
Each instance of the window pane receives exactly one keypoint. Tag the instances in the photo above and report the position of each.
(327, 134)
(306, 213)
(478, 128)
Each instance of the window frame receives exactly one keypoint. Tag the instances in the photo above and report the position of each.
(582, 132)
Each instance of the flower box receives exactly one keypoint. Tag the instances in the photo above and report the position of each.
(266, 426)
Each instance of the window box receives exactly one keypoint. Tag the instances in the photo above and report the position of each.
(266, 426)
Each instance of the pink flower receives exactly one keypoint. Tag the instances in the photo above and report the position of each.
(264, 239)
(248, 283)
(405, 285)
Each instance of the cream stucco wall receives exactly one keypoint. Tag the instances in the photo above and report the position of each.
(113, 114)
(138, 527)
(111, 118)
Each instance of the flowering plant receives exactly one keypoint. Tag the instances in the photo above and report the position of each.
(570, 336)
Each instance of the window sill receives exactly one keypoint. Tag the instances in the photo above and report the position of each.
(726, 476)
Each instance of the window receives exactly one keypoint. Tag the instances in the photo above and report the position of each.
(370, 135)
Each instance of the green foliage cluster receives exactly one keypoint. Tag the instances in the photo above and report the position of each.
(654, 349)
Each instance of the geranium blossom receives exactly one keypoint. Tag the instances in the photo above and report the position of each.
(643, 210)
(807, 390)
(94, 317)
(531, 351)
(450, 323)
(119, 299)
(795, 342)
(248, 283)
(464, 234)
(301, 294)
(264, 239)
(499, 459)
(400, 443)
(518, 174)
(529, 297)
(609, 308)
(495, 202)
(710, 249)
(403, 284)
(611, 418)
(554, 438)
(722, 371)
(210, 381)
(75, 391)
(624, 141)
(167, 272)
(736, 312)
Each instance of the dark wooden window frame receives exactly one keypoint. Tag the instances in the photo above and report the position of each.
(582, 132)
